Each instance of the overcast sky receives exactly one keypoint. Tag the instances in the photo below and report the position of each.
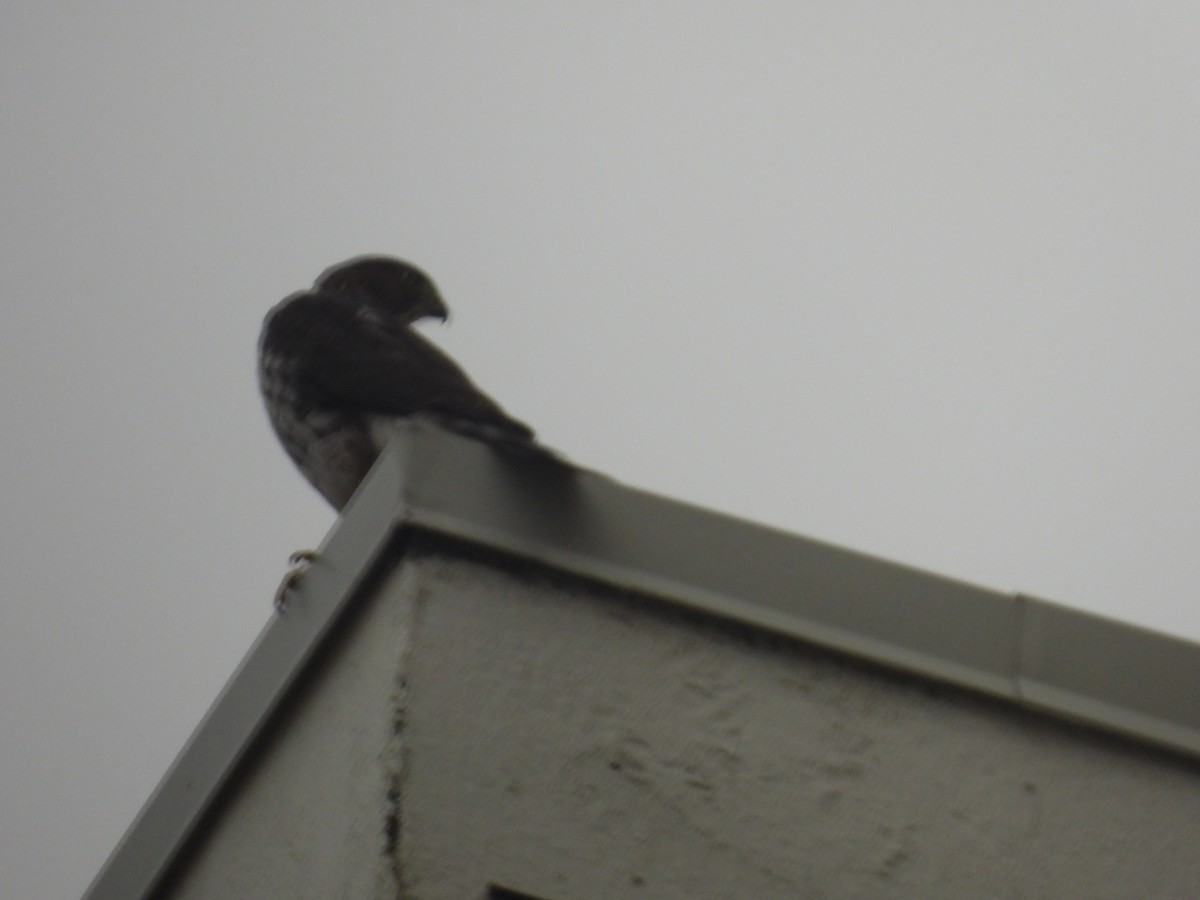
(920, 279)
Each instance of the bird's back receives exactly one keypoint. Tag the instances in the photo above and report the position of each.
(335, 371)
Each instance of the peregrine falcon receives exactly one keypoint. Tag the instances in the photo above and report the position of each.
(339, 363)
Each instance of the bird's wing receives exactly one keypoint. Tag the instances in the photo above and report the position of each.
(362, 365)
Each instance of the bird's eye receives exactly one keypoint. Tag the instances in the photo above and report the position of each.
(369, 314)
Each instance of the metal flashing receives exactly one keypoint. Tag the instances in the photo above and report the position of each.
(1081, 666)
(253, 692)
(1026, 650)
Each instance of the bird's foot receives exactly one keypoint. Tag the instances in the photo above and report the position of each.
(298, 564)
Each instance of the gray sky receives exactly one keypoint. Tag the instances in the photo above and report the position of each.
(920, 279)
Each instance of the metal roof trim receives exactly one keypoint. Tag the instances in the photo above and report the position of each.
(252, 693)
(1056, 659)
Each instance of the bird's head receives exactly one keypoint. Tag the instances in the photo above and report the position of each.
(393, 287)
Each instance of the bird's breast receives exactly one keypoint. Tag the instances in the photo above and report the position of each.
(333, 449)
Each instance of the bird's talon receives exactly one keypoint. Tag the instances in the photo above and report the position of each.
(299, 563)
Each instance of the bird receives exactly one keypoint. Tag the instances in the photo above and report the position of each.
(340, 363)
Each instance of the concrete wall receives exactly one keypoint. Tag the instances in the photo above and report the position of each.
(476, 725)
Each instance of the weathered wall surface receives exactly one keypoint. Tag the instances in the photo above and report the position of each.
(579, 748)
(309, 816)
(477, 726)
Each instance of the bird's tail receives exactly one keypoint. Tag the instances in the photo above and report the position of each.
(524, 446)
(517, 444)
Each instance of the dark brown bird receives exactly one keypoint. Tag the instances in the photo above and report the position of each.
(338, 364)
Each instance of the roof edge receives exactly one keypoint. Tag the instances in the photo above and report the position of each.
(1064, 661)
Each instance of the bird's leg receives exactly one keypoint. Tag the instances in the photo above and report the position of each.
(298, 564)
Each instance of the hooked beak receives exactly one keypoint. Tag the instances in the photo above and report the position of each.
(434, 307)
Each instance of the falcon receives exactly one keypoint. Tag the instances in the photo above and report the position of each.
(340, 363)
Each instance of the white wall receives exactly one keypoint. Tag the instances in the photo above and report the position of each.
(559, 740)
